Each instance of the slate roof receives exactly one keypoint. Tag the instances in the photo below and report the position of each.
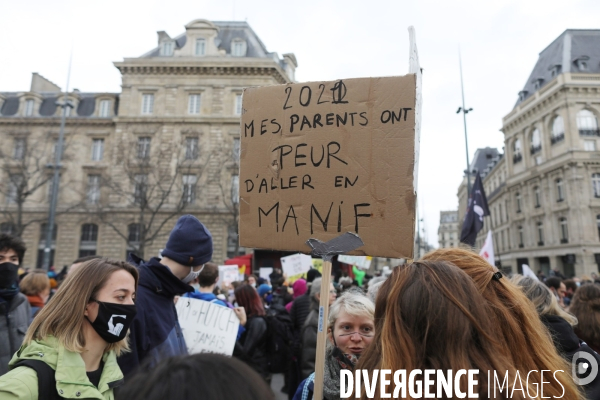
(228, 30)
(564, 51)
(85, 108)
(485, 159)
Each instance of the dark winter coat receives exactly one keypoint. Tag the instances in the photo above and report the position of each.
(155, 333)
(309, 341)
(252, 346)
(14, 321)
(567, 344)
(299, 311)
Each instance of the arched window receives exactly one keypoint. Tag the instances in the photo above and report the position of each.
(596, 184)
(89, 240)
(518, 199)
(540, 229)
(558, 129)
(536, 141)
(517, 156)
(587, 123)
(564, 230)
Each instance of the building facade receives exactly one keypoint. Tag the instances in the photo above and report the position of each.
(546, 213)
(166, 145)
(448, 231)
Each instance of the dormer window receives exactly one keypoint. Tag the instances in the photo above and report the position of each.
(200, 48)
(104, 108)
(29, 104)
(581, 63)
(538, 83)
(555, 70)
(166, 49)
(523, 95)
(238, 48)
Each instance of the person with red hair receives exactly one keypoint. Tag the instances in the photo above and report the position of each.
(252, 346)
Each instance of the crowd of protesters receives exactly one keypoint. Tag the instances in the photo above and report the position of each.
(107, 329)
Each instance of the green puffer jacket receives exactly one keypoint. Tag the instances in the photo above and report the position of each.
(71, 379)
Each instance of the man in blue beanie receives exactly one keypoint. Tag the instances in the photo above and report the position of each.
(155, 332)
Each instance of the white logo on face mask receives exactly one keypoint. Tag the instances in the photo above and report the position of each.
(115, 330)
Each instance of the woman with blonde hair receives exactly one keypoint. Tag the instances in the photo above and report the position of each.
(350, 331)
(70, 350)
(523, 338)
(36, 286)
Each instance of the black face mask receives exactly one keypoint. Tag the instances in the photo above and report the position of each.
(8, 275)
(113, 320)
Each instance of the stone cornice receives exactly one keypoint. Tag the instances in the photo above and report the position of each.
(176, 67)
(553, 92)
(55, 121)
(179, 120)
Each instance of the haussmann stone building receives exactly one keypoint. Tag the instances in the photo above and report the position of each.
(544, 193)
(166, 145)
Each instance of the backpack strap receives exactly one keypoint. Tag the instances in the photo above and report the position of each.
(46, 379)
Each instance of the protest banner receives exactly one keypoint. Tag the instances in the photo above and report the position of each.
(296, 264)
(265, 272)
(228, 274)
(362, 262)
(207, 327)
(322, 158)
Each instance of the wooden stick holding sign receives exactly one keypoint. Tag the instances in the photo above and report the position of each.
(339, 245)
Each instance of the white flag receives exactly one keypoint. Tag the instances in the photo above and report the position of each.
(528, 272)
(487, 251)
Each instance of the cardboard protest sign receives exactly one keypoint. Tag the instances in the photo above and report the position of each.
(320, 159)
(361, 262)
(265, 272)
(228, 274)
(296, 264)
(207, 327)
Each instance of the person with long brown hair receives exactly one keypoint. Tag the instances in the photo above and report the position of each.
(585, 305)
(252, 345)
(71, 347)
(523, 338)
(429, 315)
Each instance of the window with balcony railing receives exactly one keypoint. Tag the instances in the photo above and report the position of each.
(587, 123)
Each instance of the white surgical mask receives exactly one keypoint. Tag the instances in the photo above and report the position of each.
(192, 275)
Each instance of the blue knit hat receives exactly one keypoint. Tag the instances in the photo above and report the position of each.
(190, 243)
(264, 289)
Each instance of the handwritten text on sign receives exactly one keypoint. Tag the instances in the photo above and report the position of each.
(207, 327)
(296, 264)
(322, 158)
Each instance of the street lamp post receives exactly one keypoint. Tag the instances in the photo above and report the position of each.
(56, 178)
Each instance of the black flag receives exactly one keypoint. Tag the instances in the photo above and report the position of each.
(477, 208)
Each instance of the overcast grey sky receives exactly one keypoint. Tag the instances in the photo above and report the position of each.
(500, 41)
